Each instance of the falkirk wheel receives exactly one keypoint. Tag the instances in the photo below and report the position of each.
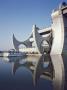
(50, 40)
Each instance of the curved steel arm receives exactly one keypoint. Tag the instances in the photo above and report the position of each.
(16, 43)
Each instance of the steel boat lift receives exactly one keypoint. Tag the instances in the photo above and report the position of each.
(52, 40)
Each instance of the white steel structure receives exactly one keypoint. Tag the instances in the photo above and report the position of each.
(52, 40)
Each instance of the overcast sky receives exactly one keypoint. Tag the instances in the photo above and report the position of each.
(18, 16)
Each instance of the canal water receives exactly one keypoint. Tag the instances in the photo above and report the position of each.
(33, 72)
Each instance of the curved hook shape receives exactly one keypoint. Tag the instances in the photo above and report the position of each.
(16, 43)
(38, 39)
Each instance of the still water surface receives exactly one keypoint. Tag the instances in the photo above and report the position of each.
(33, 73)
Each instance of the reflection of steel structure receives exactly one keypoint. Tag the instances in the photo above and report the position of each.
(48, 40)
(46, 67)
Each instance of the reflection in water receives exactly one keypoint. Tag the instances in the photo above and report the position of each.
(45, 66)
(59, 76)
